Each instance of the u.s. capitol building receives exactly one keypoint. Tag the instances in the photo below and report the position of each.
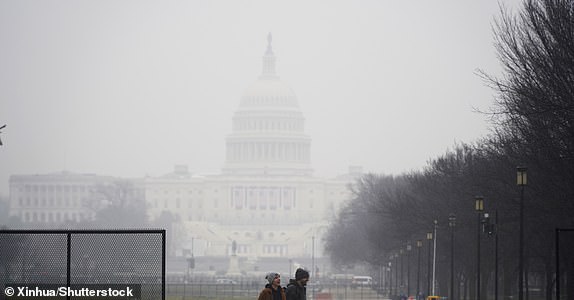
(266, 200)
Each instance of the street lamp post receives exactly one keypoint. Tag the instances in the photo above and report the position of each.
(390, 277)
(451, 224)
(491, 228)
(313, 261)
(191, 262)
(312, 255)
(409, 248)
(495, 231)
(479, 207)
(435, 223)
(429, 239)
(419, 245)
(381, 277)
(396, 273)
(521, 181)
(402, 252)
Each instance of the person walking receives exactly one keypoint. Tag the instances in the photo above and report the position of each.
(297, 288)
(273, 289)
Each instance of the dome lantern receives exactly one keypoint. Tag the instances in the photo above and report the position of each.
(269, 61)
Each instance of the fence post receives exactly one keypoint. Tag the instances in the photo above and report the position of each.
(163, 264)
(69, 261)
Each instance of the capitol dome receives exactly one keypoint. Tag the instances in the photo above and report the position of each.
(269, 92)
(268, 129)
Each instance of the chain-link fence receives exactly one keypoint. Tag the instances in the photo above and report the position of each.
(77, 258)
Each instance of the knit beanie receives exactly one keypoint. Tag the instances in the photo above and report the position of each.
(271, 276)
(301, 273)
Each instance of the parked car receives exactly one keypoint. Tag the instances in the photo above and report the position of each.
(225, 281)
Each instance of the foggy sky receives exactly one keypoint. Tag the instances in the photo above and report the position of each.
(130, 88)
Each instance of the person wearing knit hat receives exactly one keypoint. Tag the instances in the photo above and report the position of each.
(297, 288)
(273, 289)
(301, 274)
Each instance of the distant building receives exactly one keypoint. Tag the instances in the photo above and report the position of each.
(266, 198)
(55, 198)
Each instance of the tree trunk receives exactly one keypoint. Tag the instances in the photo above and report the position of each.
(484, 295)
(549, 280)
(466, 288)
(457, 288)
(472, 287)
(508, 283)
(569, 281)
(526, 287)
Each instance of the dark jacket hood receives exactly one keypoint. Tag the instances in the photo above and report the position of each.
(292, 282)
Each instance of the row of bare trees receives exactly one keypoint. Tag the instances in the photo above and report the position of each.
(533, 125)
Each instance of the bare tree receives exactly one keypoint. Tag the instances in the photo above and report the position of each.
(535, 113)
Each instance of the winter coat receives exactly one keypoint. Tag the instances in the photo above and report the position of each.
(267, 293)
(296, 291)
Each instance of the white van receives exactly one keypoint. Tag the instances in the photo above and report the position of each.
(363, 281)
(225, 281)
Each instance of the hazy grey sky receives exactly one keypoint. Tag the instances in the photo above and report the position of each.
(130, 88)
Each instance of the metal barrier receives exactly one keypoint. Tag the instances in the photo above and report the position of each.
(84, 257)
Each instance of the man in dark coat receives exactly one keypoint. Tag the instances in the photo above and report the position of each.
(296, 289)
